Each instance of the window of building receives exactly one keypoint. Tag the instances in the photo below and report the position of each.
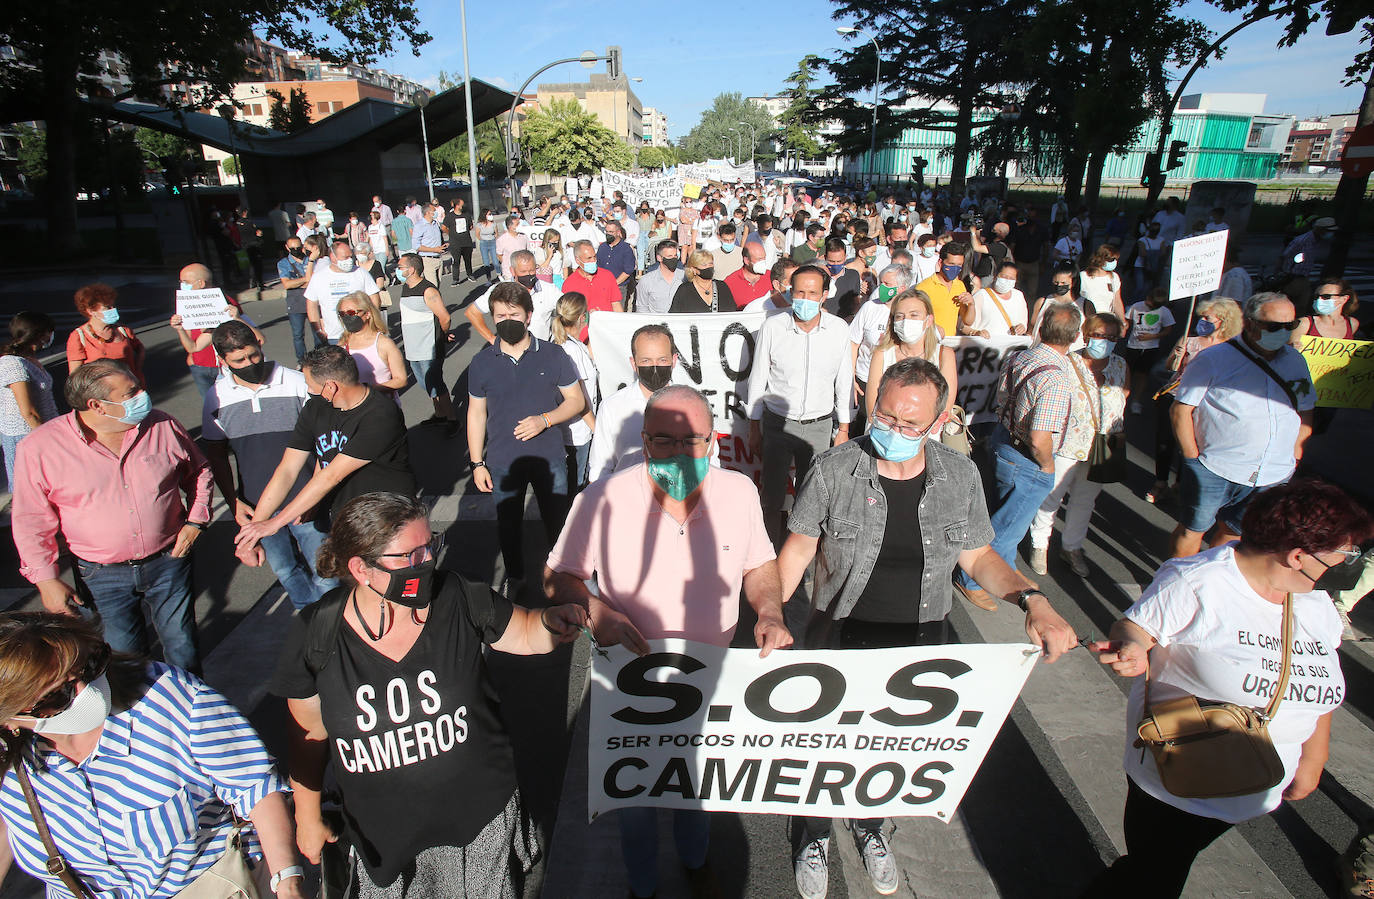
(255, 109)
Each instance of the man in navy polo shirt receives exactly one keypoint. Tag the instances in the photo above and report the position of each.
(252, 411)
(618, 257)
(519, 389)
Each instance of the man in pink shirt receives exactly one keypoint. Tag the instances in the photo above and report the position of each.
(670, 542)
(111, 477)
(508, 243)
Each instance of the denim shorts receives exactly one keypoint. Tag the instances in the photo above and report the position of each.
(1208, 498)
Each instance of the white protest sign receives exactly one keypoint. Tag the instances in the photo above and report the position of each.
(834, 733)
(203, 309)
(716, 352)
(978, 366)
(659, 191)
(1196, 264)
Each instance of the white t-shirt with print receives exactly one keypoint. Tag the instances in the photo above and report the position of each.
(328, 286)
(1220, 640)
(1147, 322)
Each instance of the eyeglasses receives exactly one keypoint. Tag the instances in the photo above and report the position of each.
(1103, 335)
(665, 441)
(1349, 555)
(1330, 296)
(1271, 327)
(885, 422)
(60, 699)
(419, 554)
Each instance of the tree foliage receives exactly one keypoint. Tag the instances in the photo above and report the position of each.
(101, 159)
(709, 137)
(563, 139)
(289, 115)
(797, 124)
(157, 144)
(657, 157)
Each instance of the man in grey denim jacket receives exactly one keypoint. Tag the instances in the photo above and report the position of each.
(887, 517)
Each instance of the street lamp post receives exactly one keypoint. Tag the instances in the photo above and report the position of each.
(227, 113)
(422, 100)
(845, 31)
(476, 212)
(751, 140)
(588, 59)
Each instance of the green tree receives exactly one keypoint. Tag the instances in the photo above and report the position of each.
(229, 166)
(451, 157)
(796, 125)
(710, 135)
(289, 114)
(32, 155)
(58, 43)
(156, 144)
(657, 157)
(562, 139)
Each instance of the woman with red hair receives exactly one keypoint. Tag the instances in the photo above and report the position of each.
(1212, 626)
(102, 336)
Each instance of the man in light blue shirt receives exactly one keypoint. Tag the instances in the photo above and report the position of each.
(1242, 412)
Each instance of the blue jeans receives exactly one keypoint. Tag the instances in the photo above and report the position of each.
(579, 458)
(509, 482)
(639, 843)
(116, 594)
(296, 571)
(204, 377)
(1021, 488)
(488, 248)
(429, 375)
(9, 443)
(300, 324)
(1207, 498)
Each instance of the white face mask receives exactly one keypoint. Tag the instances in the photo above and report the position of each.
(928, 252)
(345, 265)
(910, 330)
(1003, 285)
(88, 711)
(760, 268)
(186, 285)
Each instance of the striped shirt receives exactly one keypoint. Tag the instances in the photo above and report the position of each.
(148, 811)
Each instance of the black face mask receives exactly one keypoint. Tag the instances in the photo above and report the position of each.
(654, 377)
(1061, 289)
(527, 281)
(511, 330)
(297, 253)
(412, 586)
(707, 274)
(255, 372)
(671, 264)
(899, 244)
(1340, 577)
(352, 323)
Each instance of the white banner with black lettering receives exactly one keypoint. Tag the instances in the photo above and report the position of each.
(836, 733)
(978, 366)
(716, 352)
(659, 191)
(1195, 264)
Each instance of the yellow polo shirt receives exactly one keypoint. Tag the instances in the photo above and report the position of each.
(942, 299)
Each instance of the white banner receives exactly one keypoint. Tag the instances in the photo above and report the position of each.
(717, 170)
(978, 365)
(659, 191)
(838, 733)
(203, 309)
(717, 354)
(1196, 264)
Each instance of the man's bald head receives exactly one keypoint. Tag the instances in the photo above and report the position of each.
(197, 275)
(678, 410)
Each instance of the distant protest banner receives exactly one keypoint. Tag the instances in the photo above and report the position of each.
(717, 353)
(659, 191)
(1196, 264)
(978, 366)
(854, 733)
(722, 170)
(1342, 371)
(202, 309)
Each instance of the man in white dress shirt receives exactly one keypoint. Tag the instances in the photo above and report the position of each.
(616, 441)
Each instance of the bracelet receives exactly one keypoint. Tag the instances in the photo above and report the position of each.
(544, 621)
(283, 874)
(547, 424)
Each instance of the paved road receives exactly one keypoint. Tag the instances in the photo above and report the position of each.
(1041, 818)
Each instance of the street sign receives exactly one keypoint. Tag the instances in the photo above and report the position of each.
(1359, 152)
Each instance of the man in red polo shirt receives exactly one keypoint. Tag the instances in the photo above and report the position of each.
(596, 284)
(752, 281)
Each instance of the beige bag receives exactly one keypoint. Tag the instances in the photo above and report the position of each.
(231, 877)
(1205, 750)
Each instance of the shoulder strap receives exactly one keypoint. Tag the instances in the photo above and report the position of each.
(322, 622)
(1234, 342)
(1015, 392)
(1277, 698)
(56, 864)
(1000, 308)
(1097, 425)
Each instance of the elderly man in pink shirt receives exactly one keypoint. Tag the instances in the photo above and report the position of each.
(670, 542)
(510, 242)
(111, 476)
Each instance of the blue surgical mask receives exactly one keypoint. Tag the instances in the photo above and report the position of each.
(109, 316)
(727, 246)
(679, 476)
(950, 271)
(835, 268)
(1205, 327)
(1323, 307)
(1100, 347)
(589, 267)
(1270, 341)
(136, 407)
(805, 310)
(1109, 266)
(892, 446)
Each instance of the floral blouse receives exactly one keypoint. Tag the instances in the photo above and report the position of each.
(1107, 403)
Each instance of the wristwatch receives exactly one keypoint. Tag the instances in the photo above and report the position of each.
(1025, 595)
(283, 874)
(199, 525)
(480, 463)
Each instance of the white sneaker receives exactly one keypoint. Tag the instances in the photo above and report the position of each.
(878, 861)
(1039, 559)
(812, 869)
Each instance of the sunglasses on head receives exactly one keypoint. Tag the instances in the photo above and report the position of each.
(1271, 327)
(60, 699)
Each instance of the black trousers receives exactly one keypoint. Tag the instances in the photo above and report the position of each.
(1161, 844)
(463, 255)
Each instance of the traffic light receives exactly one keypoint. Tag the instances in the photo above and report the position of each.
(613, 62)
(1151, 168)
(1176, 149)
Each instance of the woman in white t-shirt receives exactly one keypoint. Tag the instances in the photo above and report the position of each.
(569, 318)
(911, 332)
(1210, 626)
(868, 328)
(1063, 290)
(1069, 248)
(1100, 285)
(998, 310)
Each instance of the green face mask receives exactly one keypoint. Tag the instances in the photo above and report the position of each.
(679, 475)
(886, 293)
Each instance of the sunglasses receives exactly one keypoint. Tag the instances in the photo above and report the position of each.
(353, 313)
(1271, 327)
(61, 699)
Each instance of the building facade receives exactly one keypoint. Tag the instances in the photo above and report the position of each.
(609, 99)
(655, 128)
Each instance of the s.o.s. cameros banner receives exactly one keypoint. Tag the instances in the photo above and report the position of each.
(833, 733)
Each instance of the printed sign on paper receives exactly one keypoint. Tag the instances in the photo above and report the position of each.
(1197, 263)
(1342, 371)
(202, 309)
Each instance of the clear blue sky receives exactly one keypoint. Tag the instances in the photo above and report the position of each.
(684, 68)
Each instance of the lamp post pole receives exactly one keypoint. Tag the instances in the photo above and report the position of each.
(227, 112)
(422, 100)
(588, 59)
(476, 212)
(751, 140)
(877, 80)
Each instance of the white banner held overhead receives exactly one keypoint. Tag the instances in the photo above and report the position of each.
(659, 191)
(717, 354)
(1196, 264)
(978, 364)
(837, 733)
(202, 309)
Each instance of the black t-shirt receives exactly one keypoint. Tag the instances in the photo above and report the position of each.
(374, 430)
(459, 229)
(893, 591)
(418, 748)
(1027, 241)
(688, 299)
(998, 251)
(850, 293)
(377, 271)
